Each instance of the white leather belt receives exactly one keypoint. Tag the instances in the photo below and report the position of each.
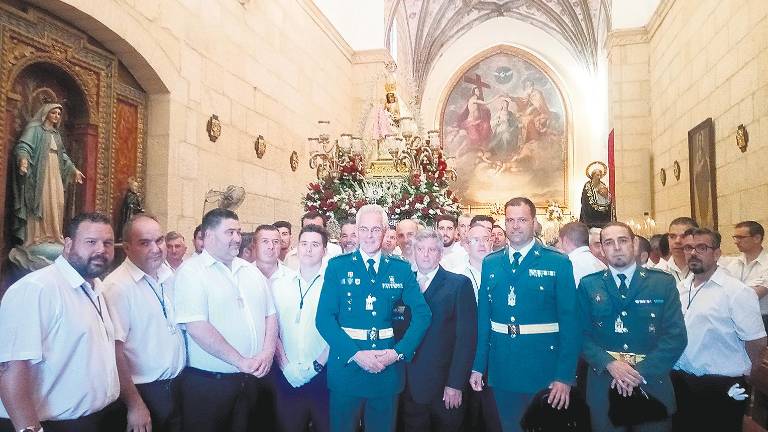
(369, 334)
(521, 329)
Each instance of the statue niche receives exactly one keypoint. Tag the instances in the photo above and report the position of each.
(49, 124)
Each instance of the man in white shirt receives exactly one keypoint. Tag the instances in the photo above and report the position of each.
(301, 387)
(348, 236)
(751, 266)
(312, 218)
(263, 251)
(726, 337)
(176, 249)
(149, 347)
(454, 256)
(481, 407)
(286, 237)
(230, 319)
(57, 350)
(676, 264)
(574, 241)
(198, 237)
(642, 251)
(594, 244)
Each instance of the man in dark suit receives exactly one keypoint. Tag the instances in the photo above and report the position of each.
(439, 372)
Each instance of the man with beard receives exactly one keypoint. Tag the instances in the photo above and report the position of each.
(633, 331)
(231, 324)
(149, 347)
(498, 238)
(454, 257)
(726, 338)
(348, 237)
(57, 350)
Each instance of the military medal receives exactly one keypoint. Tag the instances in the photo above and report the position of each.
(651, 328)
(511, 298)
(369, 302)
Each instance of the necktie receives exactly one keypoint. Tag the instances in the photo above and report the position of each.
(422, 279)
(623, 288)
(516, 260)
(371, 268)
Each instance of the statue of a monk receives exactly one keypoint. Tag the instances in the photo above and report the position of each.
(43, 171)
(596, 203)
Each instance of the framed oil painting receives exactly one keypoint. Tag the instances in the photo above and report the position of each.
(505, 122)
(701, 163)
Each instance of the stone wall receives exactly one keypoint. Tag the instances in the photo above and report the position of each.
(270, 68)
(706, 58)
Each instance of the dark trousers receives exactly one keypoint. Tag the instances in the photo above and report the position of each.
(511, 407)
(298, 407)
(481, 414)
(703, 403)
(432, 416)
(378, 414)
(219, 402)
(163, 400)
(100, 421)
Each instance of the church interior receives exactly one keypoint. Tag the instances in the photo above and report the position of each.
(639, 111)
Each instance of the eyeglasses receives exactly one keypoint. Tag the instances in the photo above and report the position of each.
(364, 230)
(741, 237)
(699, 248)
(477, 240)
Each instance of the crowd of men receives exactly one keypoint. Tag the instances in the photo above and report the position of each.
(468, 325)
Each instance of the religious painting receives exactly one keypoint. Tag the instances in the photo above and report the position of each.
(701, 163)
(504, 121)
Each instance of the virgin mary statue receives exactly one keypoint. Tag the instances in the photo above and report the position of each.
(43, 171)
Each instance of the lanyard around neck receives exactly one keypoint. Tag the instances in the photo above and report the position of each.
(302, 295)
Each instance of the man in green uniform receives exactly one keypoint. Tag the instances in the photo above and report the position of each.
(528, 329)
(355, 317)
(633, 330)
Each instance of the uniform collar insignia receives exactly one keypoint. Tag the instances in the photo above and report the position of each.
(642, 274)
(386, 260)
(354, 258)
(536, 253)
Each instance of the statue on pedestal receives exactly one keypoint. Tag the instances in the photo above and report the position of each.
(42, 173)
(596, 204)
(131, 206)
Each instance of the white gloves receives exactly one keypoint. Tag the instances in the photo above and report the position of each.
(298, 374)
(737, 392)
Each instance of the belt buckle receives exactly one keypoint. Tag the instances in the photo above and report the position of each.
(629, 358)
(513, 330)
(373, 334)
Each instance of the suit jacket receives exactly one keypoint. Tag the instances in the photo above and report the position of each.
(545, 293)
(445, 355)
(653, 321)
(346, 287)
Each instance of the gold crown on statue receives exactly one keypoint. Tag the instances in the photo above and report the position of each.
(390, 87)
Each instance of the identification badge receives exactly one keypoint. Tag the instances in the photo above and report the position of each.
(298, 316)
(369, 302)
(511, 298)
(172, 329)
(618, 326)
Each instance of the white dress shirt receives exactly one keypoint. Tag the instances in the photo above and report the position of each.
(235, 301)
(474, 276)
(282, 271)
(454, 258)
(48, 319)
(376, 259)
(427, 278)
(153, 343)
(752, 274)
(629, 272)
(584, 263)
(523, 251)
(292, 257)
(301, 340)
(680, 274)
(720, 315)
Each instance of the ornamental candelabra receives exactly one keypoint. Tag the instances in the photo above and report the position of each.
(411, 153)
(327, 157)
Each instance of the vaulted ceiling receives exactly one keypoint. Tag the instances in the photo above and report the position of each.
(432, 25)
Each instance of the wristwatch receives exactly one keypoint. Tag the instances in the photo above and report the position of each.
(400, 356)
(318, 367)
(32, 429)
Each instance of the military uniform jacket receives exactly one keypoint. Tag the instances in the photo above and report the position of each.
(648, 321)
(541, 291)
(343, 302)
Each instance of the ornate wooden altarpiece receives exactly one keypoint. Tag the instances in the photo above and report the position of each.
(43, 58)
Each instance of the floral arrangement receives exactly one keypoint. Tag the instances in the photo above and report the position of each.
(424, 195)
